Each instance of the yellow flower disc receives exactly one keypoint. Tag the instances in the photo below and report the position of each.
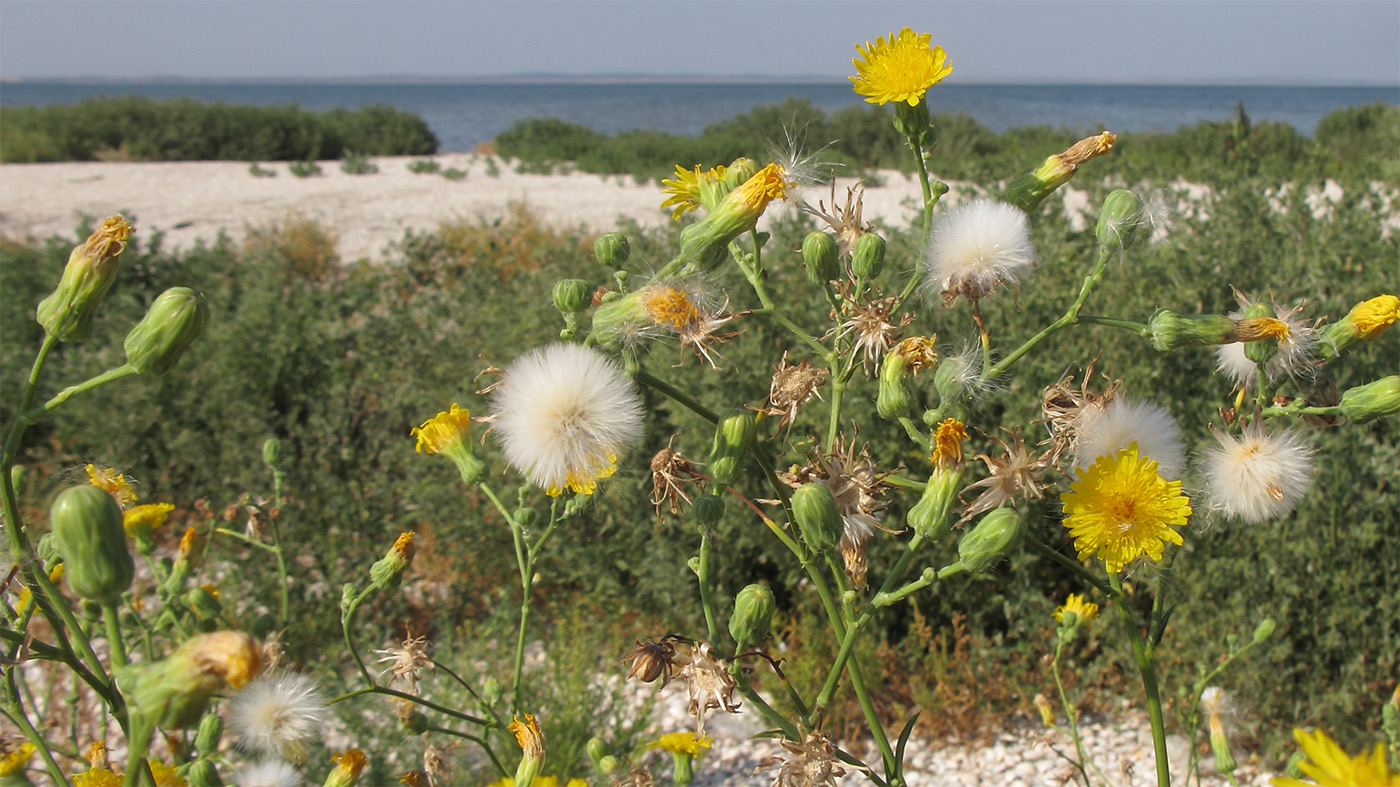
(443, 429)
(1121, 509)
(1329, 766)
(900, 69)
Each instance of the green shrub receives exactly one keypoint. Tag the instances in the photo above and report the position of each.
(424, 166)
(260, 172)
(352, 163)
(304, 169)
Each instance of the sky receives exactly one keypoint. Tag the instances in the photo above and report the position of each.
(1020, 41)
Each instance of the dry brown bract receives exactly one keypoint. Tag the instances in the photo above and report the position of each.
(846, 223)
(812, 763)
(856, 484)
(710, 685)
(670, 472)
(870, 321)
(1061, 404)
(655, 660)
(792, 387)
(703, 331)
(1015, 474)
(406, 661)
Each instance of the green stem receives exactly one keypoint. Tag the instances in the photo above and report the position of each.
(115, 643)
(808, 339)
(495, 762)
(388, 692)
(138, 743)
(646, 378)
(1070, 317)
(1143, 655)
(1070, 714)
(1141, 329)
(1043, 549)
(707, 600)
(20, 719)
(125, 370)
(347, 617)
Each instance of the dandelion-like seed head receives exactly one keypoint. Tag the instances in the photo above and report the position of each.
(683, 743)
(975, 249)
(439, 433)
(269, 773)
(1257, 476)
(1121, 509)
(1329, 765)
(564, 414)
(1105, 429)
(901, 68)
(1085, 610)
(1231, 361)
(279, 715)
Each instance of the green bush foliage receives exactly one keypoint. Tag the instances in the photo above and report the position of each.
(145, 129)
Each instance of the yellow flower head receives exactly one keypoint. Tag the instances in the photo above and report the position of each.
(165, 775)
(113, 483)
(1120, 509)
(900, 69)
(348, 766)
(682, 743)
(528, 735)
(1086, 610)
(1329, 766)
(768, 184)
(947, 443)
(1375, 315)
(670, 306)
(443, 430)
(14, 762)
(146, 517)
(685, 190)
(540, 781)
(26, 597)
(919, 352)
(97, 777)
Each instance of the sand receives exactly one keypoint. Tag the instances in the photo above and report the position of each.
(195, 201)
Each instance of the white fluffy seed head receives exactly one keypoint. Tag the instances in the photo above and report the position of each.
(1104, 430)
(564, 414)
(280, 715)
(976, 248)
(269, 773)
(1257, 476)
(1231, 361)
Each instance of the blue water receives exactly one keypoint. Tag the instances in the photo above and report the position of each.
(464, 114)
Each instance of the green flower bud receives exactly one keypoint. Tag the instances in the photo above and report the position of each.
(48, 550)
(92, 267)
(989, 540)
(19, 480)
(174, 692)
(264, 625)
(1120, 220)
(612, 249)
(705, 244)
(1365, 322)
(818, 518)
(734, 437)
(913, 122)
(1170, 330)
(1373, 400)
(205, 605)
(176, 318)
(1262, 350)
(820, 257)
(754, 608)
(211, 729)
(738, 173)
(571, 295)
(1220, 746)
(597, 750)
(491, 691)
(893, 398)
(272, 452)
(707, 510)
(1028, 191)
(87, 526)
(203, 773)
(868, 258)
(387, 572)
(414, 722)
(929, 518)
(1263, 630)
(608, 765)
(525, 516)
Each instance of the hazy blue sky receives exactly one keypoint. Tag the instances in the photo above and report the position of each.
(1161, 41)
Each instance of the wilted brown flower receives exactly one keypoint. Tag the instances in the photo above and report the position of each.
(870, 320)
(406, 661)
(1015, 474)
(710, 685)
(846, 222)
(670, 472)
(655, 660)
(812, 763)
(792, 387)
(1061, 404)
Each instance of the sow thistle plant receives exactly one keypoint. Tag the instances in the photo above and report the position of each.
(129, 624)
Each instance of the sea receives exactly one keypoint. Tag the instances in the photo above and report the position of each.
(462, 115)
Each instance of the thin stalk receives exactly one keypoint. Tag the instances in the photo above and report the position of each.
(1070, 317)
(1070, 714)
(695, 406)
(388, 692)
(1045, 550)
(707, 601)
(20, 719)
(125, 370)
(1141, 329)
(1143, 656)
(782, 319)
(346, 618)
(495, 762)
(115, 643)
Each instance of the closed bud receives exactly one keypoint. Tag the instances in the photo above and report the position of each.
(597, 750)
(175, 320)
(739, 171)
(612, 249)
(1028, 191)
(572, 295)
(818, 518)
(48, 550)
(930, 517)
(754, 608)
(87, 527)
(211, 729)
(1120, 220)
(272, 452)
(734, 436)
(1220, 746)
(387, 572)
(708, 510)
(19, 480)
(174, 692)
(491, 691)
(92, 267)
(989, 540)
(203, 773)
(820, 257)
(1170, 330)
(204, 604)
(1373, 400)
(1263, 630)
(893, 398)
(1262, 350)
(525, 516)
(868, 258)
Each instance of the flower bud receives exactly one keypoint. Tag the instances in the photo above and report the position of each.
(597, 750)
(818, 518)
(868, 258)
(705, 244)
(612, 249)
(1120, 220)
(754, 607)
(531, 740)
(272, 452)
(203, 773)
(1263, 630)
(205, 606)
(413, 721)
(174, 692)
(92, 267)
(707, 510)
(1028, 191)
(1262, 350)
(734, 436)
(387, 572)
(1047, 712)
(1373, 400)
(1220, 745)
(525, 516)
(989, 540)
(1365, 322)
(211, 729)
(893, 399)
(1170, 330)
(572, 295)
(176, 318)
(929, 518)
(819, 256)
(87, 527)
(738, 173)
(348, 767)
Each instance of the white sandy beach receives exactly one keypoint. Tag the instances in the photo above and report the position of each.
(193, 201)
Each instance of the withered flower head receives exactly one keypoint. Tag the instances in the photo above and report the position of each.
(1061, 405)
(919, 352)
(1015, 474)
(709, 683)
(703, 331)
(871, 321)
(792, 387)
(857, 485)
(653, 660)
(670, 472)
(634, 778)
(811, 763)
(406, 661)
(844, 222)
